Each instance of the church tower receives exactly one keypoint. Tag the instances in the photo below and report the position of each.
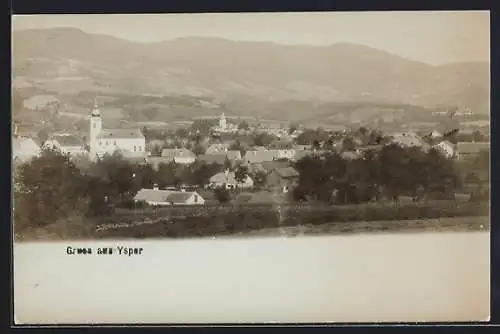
(95, 127)
(222, 122)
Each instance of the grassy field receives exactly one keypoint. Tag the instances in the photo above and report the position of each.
(458, 224)
(224, 221)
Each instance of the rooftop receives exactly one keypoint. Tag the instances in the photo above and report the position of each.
(120, 134)
(67, 140)
(152, 195)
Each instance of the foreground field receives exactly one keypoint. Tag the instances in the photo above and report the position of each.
(459, 224)
(273, 220)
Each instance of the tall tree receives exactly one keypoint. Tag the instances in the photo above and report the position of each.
(52, 188)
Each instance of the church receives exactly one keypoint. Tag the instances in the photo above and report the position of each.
(224, 126)
(129, 142)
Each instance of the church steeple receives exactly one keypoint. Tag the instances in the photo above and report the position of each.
(94, 128)
(95, 109)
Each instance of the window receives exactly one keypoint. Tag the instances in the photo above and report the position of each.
(135, 148)
(114, 142)
(140, 149)
(100, 143)
(95, 125)
(196, 198)
(107, 143)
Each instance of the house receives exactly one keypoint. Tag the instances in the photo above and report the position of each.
(107, 141)
(468, 150)
(157, 197)
(155, 162)
(233, 155)
(281, 144)
(217, 148)
(283, 179)
(178, 155)
(24, 149)
(209, 159)
(408, 139)
(447, 149)
(66, 144)
(228, 179)
(260, 156)
(209, 197)
(302, 147)
(300, 154)
(287, 154)
(435, 134)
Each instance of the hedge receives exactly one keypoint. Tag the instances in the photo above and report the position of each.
(225, 220)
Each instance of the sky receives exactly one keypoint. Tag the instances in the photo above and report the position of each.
(435, 38)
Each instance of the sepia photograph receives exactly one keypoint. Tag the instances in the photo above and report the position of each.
(206, 144)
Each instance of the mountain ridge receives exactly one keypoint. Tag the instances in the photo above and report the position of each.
(68, 61)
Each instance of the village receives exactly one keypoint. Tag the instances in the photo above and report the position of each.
(246, 163)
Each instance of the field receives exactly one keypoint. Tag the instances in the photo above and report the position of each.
(268, 220)
(459, 224)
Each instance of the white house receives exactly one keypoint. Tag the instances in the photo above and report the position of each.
(24, 149)
(228, 179)
(157, 197)
(447, 149)
(260, 156)
(218, 148)
(436, 134)
(285, 154)
(66, 144)
(178, 155)
(408, 139)
(107, 141)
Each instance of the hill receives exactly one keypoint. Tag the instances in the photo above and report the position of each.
(196, 76)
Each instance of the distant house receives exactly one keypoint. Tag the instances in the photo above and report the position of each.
(67, 144)
(233, 155)
(468, 150)
(157, 197)
(300, 154)
(209, 197)
(260, 156)
(228, 180)
(408, 139)
(178, 155)
(435, 134)
(217, 148)
(155, 162)
(302, 147)
(209, 159)
(288, 154)
(283, 179)
(447, 149)
(281, 144)
(24, 149)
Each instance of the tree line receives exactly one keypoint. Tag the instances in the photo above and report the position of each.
(52, 186)
(390, 173)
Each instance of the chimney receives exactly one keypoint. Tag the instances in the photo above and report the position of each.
(155, 186)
